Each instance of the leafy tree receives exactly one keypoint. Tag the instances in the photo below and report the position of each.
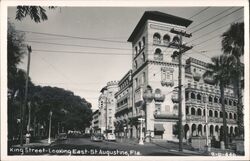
(218, 70)
(36, 13)
(69, 111)
(233, 45)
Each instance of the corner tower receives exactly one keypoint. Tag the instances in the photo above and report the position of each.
(154, 67)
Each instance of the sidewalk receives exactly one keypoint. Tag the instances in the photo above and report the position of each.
(170, 147)
(43, 142)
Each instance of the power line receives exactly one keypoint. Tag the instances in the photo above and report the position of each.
(215, 30)
(68, 36)
(88, 46)
(199, 12)
(217, 20)
(211, 18)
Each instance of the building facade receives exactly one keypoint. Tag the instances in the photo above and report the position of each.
(107, 104)
(124, 105)
(95, 128)
(153, 68)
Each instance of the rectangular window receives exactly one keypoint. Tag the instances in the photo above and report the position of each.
(167, 108)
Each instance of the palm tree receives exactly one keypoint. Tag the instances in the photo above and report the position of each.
(218, 70)
(233, 45)
(36, 13)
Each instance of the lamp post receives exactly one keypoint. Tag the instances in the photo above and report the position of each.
(141, 141)
(148, 97)
(50, 115)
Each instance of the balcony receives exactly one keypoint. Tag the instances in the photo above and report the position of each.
(159, 97)
(209, 80)
(160, 115)
(175, 98)
(138, 94)
(158, 57)
(195, 118)
(197, 76)
(156, 41)
(167, 83)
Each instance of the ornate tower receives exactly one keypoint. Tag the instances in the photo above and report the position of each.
(154, 67)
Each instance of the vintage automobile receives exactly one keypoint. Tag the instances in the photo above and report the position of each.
(96, 137)
(62, 136)
(110, 137)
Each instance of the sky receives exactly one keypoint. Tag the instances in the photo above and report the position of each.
(85, 64)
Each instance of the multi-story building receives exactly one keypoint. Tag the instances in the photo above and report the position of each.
(203, 92)
(107, 104)
(124, 106)
(95, 122)
(154, 68)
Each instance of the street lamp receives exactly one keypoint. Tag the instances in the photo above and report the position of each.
(148, 97)
(50, 115)
(141, 141)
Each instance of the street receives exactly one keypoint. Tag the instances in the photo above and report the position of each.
(84, 146)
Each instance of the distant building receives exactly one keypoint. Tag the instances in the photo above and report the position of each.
(124, 106)
(107, 104)
(153, 67)
(95, 122)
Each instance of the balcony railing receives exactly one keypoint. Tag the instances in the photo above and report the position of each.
(138, 94)
(175, 98)
(156, 41)
(195, 118)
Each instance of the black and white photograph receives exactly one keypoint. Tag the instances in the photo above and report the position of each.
(123, 80)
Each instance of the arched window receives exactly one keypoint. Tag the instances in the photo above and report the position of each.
(210, 99)
(192, 95)
(198, 97)
(157, 38)
(221, 114)
(187, 110)
(235, 103)
(187, 95)
(176, 39)
(166, 39)
(136, 50)
(192, 111)
(215, 114)
(230, 102)
(204, 112)
(136, 64)
(216, 100)
(158, 54)
(140, 47)
(225, 101)
(199, 112)
(143, 42)
(235, 116)
(230, 116)
(210, 113)
(143, 57)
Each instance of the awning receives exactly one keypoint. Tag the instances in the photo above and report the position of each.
(159, 127)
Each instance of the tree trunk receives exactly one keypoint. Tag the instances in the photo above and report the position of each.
(224, 115)
(240, 118)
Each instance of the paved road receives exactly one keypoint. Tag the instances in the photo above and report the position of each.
(132, 148)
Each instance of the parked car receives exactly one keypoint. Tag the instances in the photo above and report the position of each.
(96, 137)
(110, 137)
(62, 136)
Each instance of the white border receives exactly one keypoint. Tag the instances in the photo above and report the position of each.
(116, 3)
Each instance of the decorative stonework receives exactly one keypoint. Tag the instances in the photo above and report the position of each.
(197, 76)
(159, 97)
(167, 76)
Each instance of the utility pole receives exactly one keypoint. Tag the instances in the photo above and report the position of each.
(25, 96)
(50, 115)
(182, 49)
